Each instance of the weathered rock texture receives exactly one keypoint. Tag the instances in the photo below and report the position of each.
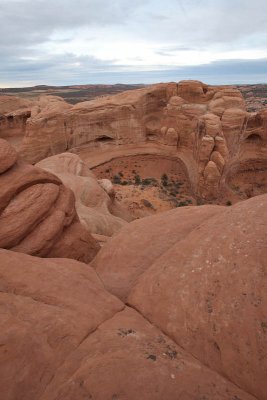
(14, 113)
(222, 146)
(37, 212)
(95, 200)
(63, 336)
(203, 284)
(132, 251)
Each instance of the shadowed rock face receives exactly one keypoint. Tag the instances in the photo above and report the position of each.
(14, 113)
(64, 336)
(199, 274)
(207, 127)
(37, 212)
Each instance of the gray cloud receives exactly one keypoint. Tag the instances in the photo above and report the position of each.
(29, 29)
(168, 51)
(33, 21)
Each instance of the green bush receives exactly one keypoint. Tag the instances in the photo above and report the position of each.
(149, 181)
(182, 204)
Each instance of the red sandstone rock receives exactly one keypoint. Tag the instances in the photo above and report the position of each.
(127, 358)
(95, 201)
(63, 335)
(208, 292)
(14, 112)
(37, 212)
(174, 119)
(48, 308)
(133, 250)
(8, 156)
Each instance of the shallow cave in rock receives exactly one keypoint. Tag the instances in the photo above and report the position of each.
(104, 139)
(254, 138)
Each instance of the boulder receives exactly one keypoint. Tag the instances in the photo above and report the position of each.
(37, 212)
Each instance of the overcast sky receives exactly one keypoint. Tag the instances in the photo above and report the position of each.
(132, 41)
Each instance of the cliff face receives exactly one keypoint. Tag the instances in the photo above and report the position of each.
(206, 127)
(14, 113)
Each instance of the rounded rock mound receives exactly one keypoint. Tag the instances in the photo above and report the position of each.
(203, 283)
(8, 156)
(37, 212)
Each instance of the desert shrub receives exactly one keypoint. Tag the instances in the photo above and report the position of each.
(200, 202)
(137, 180)
(182, 204)
(149, 181)
(177, 184)
(228, 203)
(164, 177)
(121, 174)
(164, 180)
(116, 179)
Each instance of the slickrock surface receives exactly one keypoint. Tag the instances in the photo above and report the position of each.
(37, 212)
(63, 336)
(127, 358)
(95, 200)
(48, 308)
(131, 252)
(207, 290)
